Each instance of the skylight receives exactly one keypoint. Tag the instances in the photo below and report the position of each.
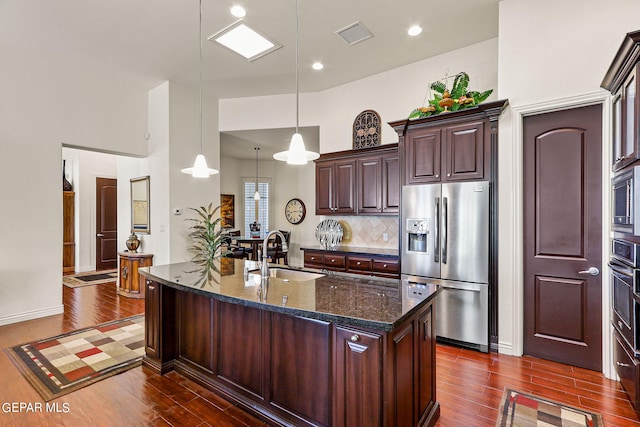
(245, 41)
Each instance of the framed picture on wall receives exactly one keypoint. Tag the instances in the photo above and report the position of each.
(227, 211)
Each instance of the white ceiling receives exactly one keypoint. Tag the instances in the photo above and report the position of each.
(148, 42)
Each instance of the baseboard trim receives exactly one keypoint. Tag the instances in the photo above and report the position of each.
(506, 348)
(30, 315)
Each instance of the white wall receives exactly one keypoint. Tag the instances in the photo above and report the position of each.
(393, 94)
(184, 146)
(43, 106)
(550, 53)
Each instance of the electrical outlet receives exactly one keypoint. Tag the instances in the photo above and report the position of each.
(385, 237)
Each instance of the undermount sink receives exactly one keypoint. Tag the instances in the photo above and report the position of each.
(292, 275)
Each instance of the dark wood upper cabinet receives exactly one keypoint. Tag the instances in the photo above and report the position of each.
(622, 81)
(359, 182)
(464, 156)
(453, 146)
(423, 156)
(336, 187)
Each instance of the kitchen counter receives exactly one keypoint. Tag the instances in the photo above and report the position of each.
(314, 299)
(340, 350)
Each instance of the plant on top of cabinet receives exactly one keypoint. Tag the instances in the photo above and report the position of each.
(445, 100)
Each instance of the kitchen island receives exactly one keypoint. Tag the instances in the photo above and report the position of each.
(328, 349)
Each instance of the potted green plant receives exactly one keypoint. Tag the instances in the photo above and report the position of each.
(208, 237)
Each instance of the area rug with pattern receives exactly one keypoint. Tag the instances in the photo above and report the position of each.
(65, 363)
(524, 410)
(90, 278)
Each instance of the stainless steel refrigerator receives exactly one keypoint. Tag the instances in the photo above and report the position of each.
(445, 241)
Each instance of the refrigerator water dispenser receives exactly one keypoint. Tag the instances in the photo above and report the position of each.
(417, 231)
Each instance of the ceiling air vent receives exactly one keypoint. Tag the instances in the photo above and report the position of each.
(354, 33)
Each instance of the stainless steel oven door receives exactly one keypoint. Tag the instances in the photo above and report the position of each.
(623, 316)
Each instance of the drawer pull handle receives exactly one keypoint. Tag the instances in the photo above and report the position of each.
(384, 265)
(358, 263)
(312, 258)
(620, 324)
(333, 260)
(355, 337)
(624, 365)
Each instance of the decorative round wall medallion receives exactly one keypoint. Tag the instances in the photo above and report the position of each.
(295, 211)
(366, 129)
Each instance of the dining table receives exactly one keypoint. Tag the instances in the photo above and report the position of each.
(255, 242)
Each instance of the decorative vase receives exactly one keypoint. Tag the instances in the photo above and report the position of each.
(66, 185)
(133, 243)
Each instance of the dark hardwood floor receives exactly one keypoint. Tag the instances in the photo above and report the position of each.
(469, 384)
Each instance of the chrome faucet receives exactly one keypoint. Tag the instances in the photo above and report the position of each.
(264, 270)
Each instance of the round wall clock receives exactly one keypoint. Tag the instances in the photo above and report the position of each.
(295, 211)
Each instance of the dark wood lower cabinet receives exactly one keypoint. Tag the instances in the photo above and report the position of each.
(291, 370)
(358, 378)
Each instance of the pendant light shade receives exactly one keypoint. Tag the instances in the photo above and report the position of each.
(297, 153)
(200, 168)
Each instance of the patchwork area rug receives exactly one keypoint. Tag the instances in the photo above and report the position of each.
(65, 363)
(524, 410)
(90, 278)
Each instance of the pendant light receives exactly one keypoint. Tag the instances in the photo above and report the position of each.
(256, 196)
(297, 153)
(200, 168)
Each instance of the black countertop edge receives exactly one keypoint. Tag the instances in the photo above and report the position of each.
(383, 252)
(328, 317)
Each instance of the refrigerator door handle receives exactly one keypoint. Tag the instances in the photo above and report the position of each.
(444, 229)
(436, 239)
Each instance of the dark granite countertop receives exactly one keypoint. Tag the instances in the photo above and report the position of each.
(347, 299)
(353, 250)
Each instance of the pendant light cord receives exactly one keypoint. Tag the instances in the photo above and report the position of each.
(200, 86)
(257, 148)
(297, 84)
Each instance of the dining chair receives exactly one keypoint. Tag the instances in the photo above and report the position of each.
(235, 250)
(274, 248)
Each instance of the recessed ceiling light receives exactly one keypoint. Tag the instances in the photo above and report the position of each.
(317, 66)
(414, 30)
(238, 11)
(244, 41)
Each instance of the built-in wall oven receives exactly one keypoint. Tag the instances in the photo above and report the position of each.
(625, 282)
(625, 190)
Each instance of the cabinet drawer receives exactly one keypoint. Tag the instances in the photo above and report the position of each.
(627, 368)
(334, 261)
(381, 265)
(359, 263)
(313, 259)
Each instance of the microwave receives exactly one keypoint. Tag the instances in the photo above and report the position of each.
(625, 191)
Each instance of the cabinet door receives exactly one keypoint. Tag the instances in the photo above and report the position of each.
(427, 350)
(391, 183)
(152, 319)
(325, 183)
(345, 187)
(422, 157)
(358, 378)
(629, 150)
(464, 155)
(300, 368)
(370, 182)
(626, 368)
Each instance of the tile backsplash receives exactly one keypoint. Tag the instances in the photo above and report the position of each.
(368, 231)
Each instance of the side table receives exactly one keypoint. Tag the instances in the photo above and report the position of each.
(130, 283)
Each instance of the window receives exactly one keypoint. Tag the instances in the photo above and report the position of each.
(256, 211)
